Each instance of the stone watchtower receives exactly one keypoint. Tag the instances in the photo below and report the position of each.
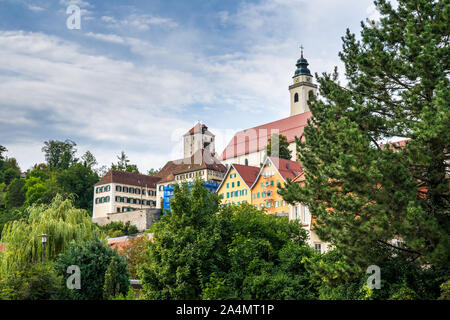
(198, 138)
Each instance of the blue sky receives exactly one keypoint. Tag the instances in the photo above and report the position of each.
(139, 74)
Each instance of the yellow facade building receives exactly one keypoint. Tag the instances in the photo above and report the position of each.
(236, 186)
(264, 189)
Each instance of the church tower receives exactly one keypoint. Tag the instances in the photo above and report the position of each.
(302, 86)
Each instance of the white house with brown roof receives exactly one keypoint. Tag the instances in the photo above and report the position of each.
(119, 192)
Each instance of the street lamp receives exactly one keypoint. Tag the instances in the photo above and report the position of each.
(44, 241)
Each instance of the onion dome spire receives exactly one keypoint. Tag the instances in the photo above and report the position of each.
(302, 66)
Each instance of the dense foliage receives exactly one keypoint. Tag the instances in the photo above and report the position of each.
(278, 147)
(103, 272)
(201, 250)
(124, 164)
(23, 275)
(38, 282)
(134, 253)
(119, 229)
(363, 191)
(59, 219)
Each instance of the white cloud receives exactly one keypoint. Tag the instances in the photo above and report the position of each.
(80, 3)
(108, 19)
(106, 102)
(117, 104)
(106, 37)
(140, 22)
(35, 8)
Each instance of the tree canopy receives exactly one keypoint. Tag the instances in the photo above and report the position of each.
(59, 219)
(60, 154)
(124, 164)
(278, 147)
(203, 251)
(364, 191)
(104, 273)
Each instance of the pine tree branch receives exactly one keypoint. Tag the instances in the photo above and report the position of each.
(401, 249)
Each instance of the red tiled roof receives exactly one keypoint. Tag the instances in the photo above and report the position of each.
(256, 139)
(287, 168)
(129, 178)
(166, 170)
(247, 173)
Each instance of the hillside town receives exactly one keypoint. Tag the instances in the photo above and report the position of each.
(242, 173)
(347, 198)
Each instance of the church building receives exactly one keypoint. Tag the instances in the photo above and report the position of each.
(247, 147)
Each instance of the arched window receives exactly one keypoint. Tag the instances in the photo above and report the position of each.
(246, 162)
(296, 97)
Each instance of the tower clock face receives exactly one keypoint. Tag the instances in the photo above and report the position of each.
(297, 80)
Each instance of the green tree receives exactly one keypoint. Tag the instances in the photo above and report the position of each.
(59, 219)
(111, 286)
(2, 151)
(38, 282)
(15, 194)
(201, 251)
(9, 170)
(89, 160)
(40, 189)
(118, 229)
(279, 148)
(135, 255)
(400, 279)
(152, 171)
(9, 175)
(94, 258)
(79, 180)
(363, 192)
(60, 154)
(9, 215)
(40, 170)
(123, 164)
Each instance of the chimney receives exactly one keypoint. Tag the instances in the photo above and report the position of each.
(287, 165)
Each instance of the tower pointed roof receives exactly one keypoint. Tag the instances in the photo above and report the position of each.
(302, 67)
(198, 128)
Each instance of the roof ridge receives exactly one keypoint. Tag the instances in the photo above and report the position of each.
(289, 117)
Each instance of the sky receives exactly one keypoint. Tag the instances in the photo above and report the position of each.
(137, 74)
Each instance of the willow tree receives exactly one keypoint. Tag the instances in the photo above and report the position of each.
(60, 220)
